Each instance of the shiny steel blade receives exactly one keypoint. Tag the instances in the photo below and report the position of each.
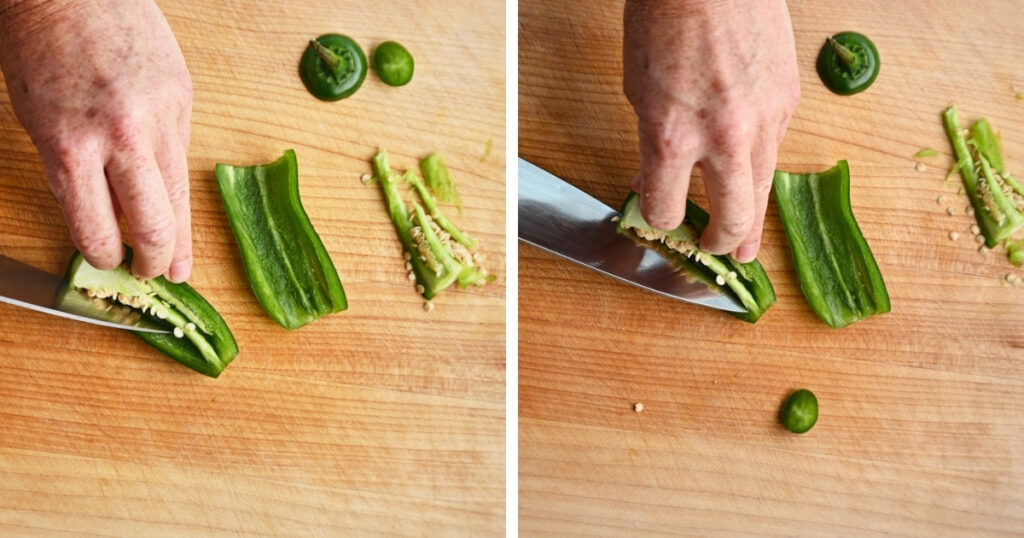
(26, 286)
(559, 218)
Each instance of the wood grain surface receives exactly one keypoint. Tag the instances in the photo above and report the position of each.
(383, 419)
(921, 431)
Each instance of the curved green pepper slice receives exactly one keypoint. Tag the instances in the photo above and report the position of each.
(333, 67)
(289, 269)
(748, 282)
(848, 63)
(837, 272)
(393, 63)
(201, 339)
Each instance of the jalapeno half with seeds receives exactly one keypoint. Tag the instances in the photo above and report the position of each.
(333, 67)
(848, 63)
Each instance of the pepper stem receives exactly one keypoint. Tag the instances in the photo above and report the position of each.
(850, 60)
(329, 57)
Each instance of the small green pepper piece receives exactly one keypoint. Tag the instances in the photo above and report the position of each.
(202, 341)
(1015, 252)
(838, 274)
(333, 67)
(290, 271)
(748, 282)
(997, 198)
(848, 63)
(800, 412)
(439, 179)
(393, 63)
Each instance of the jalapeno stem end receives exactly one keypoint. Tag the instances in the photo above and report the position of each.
(332, 60)
(850, 60)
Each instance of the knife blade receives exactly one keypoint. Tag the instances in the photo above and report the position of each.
(29, 287)
(559, 218)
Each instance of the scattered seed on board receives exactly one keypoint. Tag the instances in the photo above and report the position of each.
(1010, 277)
(951, 211)
(365, 178)
(638, 407)
(428, 306)
(412, 275)
(953, 236)
(420, 289)
(969, 211)
(406, 255)
(982, 250)
(940, 199)
(408, 266)
(178, 333)
(979, 239)
(975, 230)
(920, 167)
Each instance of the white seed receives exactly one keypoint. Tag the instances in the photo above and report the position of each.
(365, 178)
(428, 306)
(190, 326)
(406, 255)
(979, 239)
(1010, 277)
(178, 333)
(951, 211)
(941, 199)
(420, 289)
(720, 280)
(969, 211)
(408, 266)
(975, 230)
(982, 250)
(160, 313)
(638, 407)
(920, 167)
(731, 275)
(412, 275)
(953, 236)
(615, 218)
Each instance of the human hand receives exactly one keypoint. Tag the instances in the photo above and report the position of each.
(713, 85)
(102, 89)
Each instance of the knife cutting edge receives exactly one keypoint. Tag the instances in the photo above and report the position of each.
(559, 218)
(26, 286)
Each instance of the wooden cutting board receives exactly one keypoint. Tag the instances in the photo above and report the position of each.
(383, 419)
(921, 429)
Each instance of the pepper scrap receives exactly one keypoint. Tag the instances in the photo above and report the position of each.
(438, 253)
(848, 63)
(748, 282)
(289, 269)
(837, 273)
(997, 198)
(333, 67)
(393, 63)
(201, 340)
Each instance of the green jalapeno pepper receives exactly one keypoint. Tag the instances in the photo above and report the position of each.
(289, 269)
(837, 272)
(800, 412)
(333, 67)
(200, 339)
(393, 63)
(438, 254)
(848, 63)
(997, 198)
(748, 282)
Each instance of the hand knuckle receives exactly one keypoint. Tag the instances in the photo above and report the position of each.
(156, 234)
(177, 193)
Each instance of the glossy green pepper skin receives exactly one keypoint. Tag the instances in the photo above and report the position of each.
(837, 272)
(204, 342)
(800, 412)
(333, 67)
(393, 63)
(748, 282)
(848, 63)
(289, 269)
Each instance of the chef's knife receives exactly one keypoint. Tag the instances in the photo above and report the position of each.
(559, 218)
(26, 286)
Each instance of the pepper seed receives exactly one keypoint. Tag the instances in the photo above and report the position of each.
(950, 211)
(940, 199)
(720, 280)
(975, 230)
(178, 333)
(412, 276)
(638, 407)
(920, 167)
(953, 236)
(428, 306)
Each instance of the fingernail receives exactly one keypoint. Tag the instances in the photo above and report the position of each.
(746, 253)
(180, 271)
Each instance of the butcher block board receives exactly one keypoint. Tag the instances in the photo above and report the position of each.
(383, 419)
(921, 431)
